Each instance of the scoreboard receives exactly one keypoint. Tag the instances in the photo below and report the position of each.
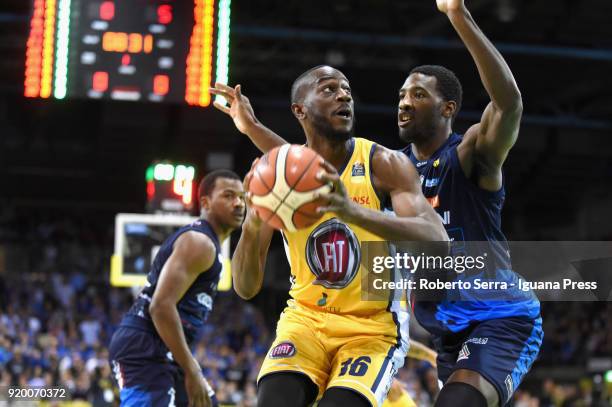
(170, 187)
(135, 50)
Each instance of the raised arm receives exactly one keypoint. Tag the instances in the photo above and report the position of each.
(249, 259)
(396, 176)
(498, 129)
(241, 112)
(193, 253)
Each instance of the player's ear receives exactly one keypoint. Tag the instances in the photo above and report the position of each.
(205, 202)
(449, 108)
(298, 111)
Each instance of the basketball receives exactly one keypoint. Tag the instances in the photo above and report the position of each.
(283, 187)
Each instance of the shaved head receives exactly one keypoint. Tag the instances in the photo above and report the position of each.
(304, 80)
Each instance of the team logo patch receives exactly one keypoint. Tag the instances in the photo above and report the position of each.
(436, 163)
(464, 353)
(358, 170)
(205, 300)
(432, 182)
(333, 254)
(282, 350)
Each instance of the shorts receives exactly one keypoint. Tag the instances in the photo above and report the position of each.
(144, 370)
(362, 354)
(501, 350)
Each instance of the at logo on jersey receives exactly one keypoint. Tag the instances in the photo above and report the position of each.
(333, 254)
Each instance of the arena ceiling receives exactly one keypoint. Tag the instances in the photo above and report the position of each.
(560, 52)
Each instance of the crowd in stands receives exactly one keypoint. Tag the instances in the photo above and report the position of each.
(58, 313)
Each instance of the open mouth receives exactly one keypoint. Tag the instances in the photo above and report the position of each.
(404, 118)
(345, 113)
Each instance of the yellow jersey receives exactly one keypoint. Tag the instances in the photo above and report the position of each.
(325, 258)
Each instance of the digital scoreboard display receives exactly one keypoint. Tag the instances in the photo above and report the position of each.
(136, 50)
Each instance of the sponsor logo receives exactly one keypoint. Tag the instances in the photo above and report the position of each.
(436, 163)
(434, 201)
(358, 170)
(421, 163)
(361, 200)
(333, 254)
(430, 183)
(205, 300)
(478, 341)
(446, 218)
(509, 386)
(282, 350)
(464, 353)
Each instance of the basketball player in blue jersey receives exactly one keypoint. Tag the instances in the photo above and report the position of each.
(484, 346)
(150, 351)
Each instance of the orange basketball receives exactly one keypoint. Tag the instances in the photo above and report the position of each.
(284, 185)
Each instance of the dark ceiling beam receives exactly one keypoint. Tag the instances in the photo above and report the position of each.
(421, 42)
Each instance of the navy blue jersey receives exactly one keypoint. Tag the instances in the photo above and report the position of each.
(469, 214)
(197, 303)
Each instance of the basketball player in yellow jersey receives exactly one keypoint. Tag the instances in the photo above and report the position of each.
(329, 343)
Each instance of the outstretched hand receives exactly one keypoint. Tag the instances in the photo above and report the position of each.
(240, 109)
(447, 6)
(339, 201)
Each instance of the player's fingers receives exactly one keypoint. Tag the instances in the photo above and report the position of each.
(224, 87)
(328, 177)
(222, 107)
(238, 91)
(327, 209)
(333, 199)
(328, 167)
(223, 94)
(254, 163)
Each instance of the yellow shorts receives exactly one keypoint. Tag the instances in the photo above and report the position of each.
(398, 397)
(359, 353)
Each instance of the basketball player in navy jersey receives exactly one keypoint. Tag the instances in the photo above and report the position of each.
(484, 346)
(150, 351)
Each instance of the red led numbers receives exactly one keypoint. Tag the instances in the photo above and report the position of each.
(100, 81)
(161, 85)
(107, 10)
(164, 14)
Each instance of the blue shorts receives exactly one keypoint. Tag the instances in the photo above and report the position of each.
(144, 370)
(501, 350)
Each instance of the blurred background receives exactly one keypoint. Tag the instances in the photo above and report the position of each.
(86, 108)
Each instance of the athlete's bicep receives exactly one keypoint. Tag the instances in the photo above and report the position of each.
(398, 178)
(496, 134)
(192, 253)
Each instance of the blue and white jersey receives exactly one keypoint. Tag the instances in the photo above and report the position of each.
(469, 214)
(197, 303)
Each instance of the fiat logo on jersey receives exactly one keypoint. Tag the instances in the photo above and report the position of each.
(333, 254)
